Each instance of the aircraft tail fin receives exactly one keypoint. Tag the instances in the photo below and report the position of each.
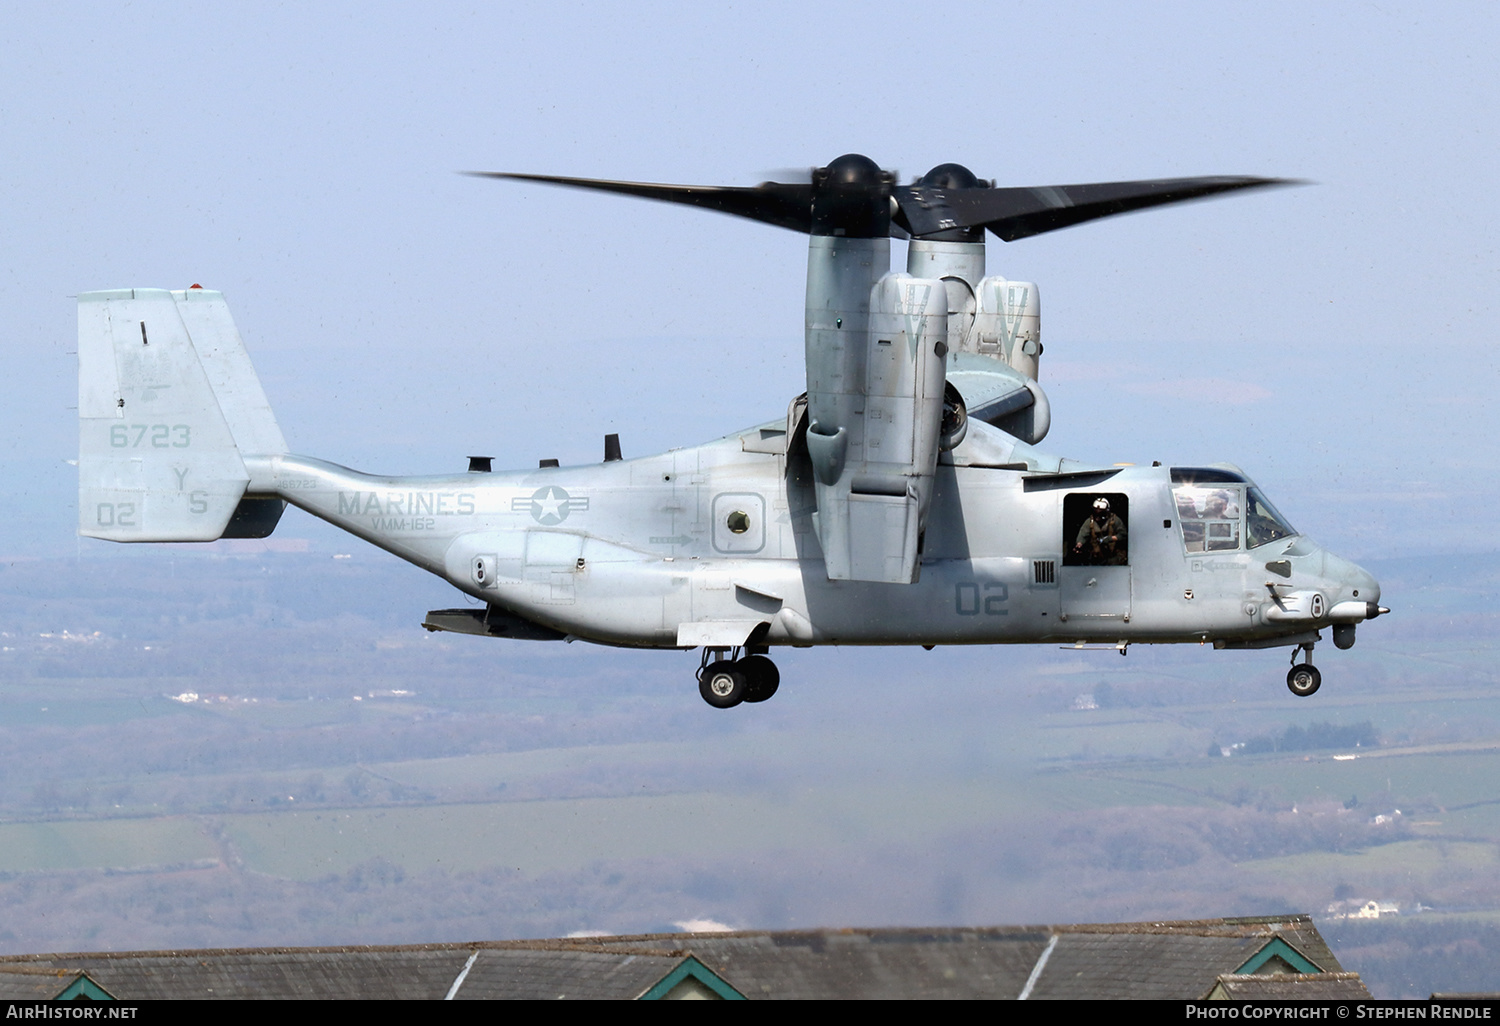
(233, 380)
(167, 402)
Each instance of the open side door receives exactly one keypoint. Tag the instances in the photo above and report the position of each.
(1094, 580)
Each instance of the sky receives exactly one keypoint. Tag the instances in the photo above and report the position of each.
(1335, 339)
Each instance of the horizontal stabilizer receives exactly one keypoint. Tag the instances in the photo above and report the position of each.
(255, 517)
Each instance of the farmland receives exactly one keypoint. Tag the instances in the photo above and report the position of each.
(241, 760)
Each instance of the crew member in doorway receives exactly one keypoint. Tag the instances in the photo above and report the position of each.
(1101, 539)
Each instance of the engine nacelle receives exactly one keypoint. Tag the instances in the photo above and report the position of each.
(989, 316)
(873, 472)
(1008, 324)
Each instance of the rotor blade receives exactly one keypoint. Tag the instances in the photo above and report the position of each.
(1019, 213)
(784, 205)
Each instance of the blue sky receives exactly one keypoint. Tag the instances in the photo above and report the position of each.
(1335, 340)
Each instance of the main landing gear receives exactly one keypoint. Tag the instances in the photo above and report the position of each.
(1305, 679)
(725, 683)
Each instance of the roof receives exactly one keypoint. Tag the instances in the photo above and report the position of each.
(1290, 987)
(488, 970)
(1156, 960)
(35, 982)
(1163, 960)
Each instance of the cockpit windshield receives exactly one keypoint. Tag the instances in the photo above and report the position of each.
(1222, 512)
(1262, 521)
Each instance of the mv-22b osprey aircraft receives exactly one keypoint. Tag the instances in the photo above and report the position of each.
(900, 501)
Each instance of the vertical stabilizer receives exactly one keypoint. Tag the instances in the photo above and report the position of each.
(233, 380)
(157, 459)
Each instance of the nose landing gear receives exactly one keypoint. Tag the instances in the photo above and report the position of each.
(725, 683)
(1305, 679)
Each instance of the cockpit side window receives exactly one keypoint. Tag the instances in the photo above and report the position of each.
(1211, 516)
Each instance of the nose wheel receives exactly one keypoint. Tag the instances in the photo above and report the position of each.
(1303, 679)
(725, 683)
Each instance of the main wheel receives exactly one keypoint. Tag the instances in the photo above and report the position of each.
(761, 678)
(1304, 679)
(722, 684)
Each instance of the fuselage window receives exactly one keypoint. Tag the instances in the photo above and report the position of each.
(1096, 529)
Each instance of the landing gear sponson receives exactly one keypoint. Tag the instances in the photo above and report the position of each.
(725, 683)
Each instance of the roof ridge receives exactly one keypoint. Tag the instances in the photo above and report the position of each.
(1225, 927)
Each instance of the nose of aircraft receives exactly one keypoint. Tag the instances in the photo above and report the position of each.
(1349, 580)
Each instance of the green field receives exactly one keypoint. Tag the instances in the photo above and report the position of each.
(827, 809)
(537, 837)
(120, 844)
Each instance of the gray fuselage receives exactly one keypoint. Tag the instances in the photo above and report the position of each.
(714, 546)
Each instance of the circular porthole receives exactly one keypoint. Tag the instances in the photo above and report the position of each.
(738, 522)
